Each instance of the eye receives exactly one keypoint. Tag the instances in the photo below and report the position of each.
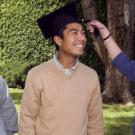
(74, 32)
(83, 32)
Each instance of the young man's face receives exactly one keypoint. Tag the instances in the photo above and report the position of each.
(73, 41)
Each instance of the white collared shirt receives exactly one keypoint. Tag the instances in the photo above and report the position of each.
(67, 71)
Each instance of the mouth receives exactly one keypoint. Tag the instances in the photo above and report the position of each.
(82, 45)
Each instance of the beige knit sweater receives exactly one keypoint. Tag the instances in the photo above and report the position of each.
(56, 104)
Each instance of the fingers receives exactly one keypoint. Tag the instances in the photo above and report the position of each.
(101, 28)
(90, 28)
(91, 25)
(94, 23)
(97, 24)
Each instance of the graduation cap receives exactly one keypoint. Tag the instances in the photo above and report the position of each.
(52, 23)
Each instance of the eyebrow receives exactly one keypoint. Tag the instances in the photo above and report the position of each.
(74, 29)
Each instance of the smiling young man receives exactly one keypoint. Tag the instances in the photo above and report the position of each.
(71, 45)
(62, 96)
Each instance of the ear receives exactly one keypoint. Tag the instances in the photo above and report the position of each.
(58, 40)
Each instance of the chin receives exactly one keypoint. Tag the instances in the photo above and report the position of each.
(79, 54)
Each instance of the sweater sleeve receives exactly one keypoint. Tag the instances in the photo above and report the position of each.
(125, 66)
(30, 105)
(95, 116)
(2, 127)
(2, 99)
(8, 111)
(3, 91)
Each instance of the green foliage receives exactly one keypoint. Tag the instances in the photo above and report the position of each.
(15, 72)
(21, 41)
(21, 38)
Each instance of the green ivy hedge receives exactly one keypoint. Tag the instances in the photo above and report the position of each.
(21, 41)
(21, 38)
(15, 73)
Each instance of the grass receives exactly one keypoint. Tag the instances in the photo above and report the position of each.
(118, 119)
(16, 96)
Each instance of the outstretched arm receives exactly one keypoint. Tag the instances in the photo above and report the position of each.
(119, 59)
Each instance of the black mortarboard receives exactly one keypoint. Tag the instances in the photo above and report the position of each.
(52, 23)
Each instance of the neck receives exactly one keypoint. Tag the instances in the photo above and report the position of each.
(67, 62)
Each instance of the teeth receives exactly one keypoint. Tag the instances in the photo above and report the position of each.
(79, 45)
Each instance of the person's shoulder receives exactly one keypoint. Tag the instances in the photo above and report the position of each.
(88, 74)
(43, 67)
(2, 79)
(87, 69)
(3, 89)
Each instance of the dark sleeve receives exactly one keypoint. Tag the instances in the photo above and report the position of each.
(125, 66)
